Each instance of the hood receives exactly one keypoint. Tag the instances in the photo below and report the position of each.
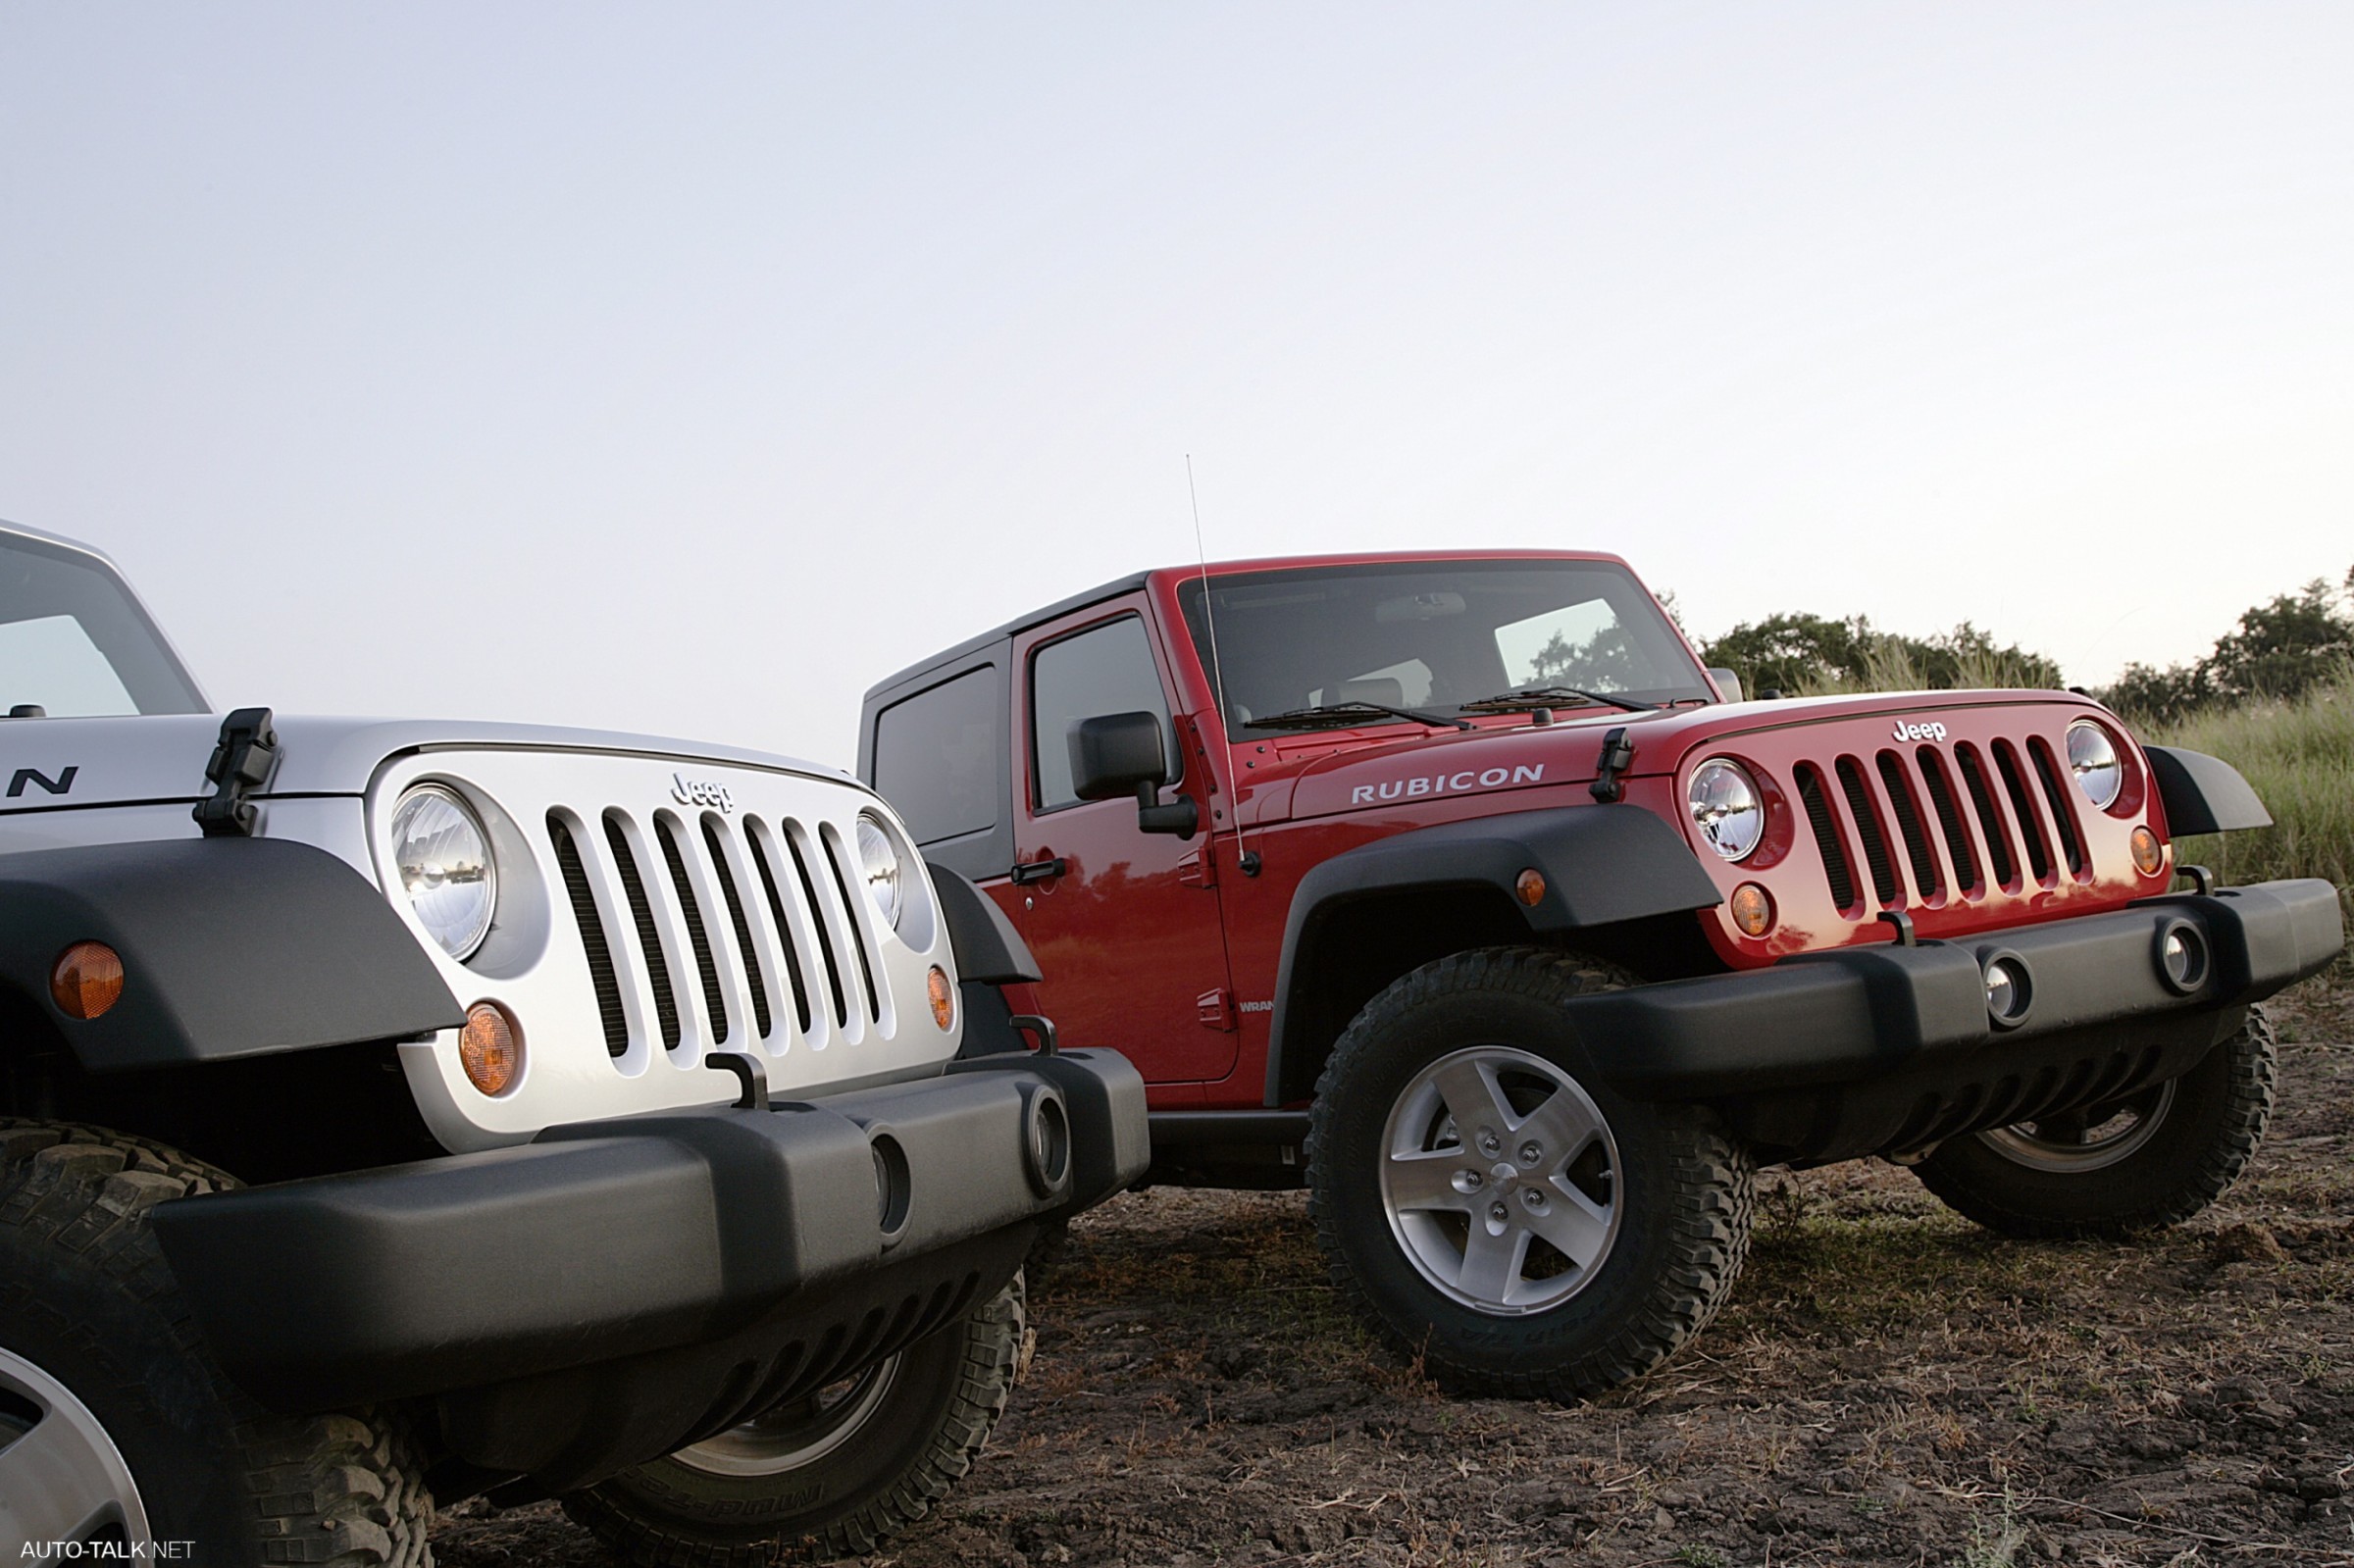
(1331, 775)
(55, 763)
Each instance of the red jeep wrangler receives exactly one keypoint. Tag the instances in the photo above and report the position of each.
(1457, 888)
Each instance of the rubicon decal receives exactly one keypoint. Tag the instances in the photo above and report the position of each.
(1447, 783)
(1918, 732)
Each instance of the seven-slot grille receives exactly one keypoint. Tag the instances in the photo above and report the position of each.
(1934, 824)
(757, 920)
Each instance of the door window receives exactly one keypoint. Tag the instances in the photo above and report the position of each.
(1107, 669)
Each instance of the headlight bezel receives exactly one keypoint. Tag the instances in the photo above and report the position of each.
(868, 834)
(1732, 851)
(476, 932)
(2114, 768)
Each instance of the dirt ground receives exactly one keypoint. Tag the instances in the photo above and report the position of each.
(1887, 1386)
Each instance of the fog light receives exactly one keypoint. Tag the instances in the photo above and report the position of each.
(86, 980)
(2147, 855)
(1529, 887)
(944, 998)
(1753, 909)
(2182, 956)
(1047, 1142)
(488, 1048)
(2007, 991)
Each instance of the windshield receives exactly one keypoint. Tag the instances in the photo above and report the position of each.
(1435, 636)
(75, 644)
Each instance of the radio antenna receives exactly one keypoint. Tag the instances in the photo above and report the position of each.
(1217, 671)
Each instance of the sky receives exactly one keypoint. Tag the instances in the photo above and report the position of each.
(688, 370)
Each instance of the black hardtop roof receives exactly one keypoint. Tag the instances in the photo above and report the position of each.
(974, 644)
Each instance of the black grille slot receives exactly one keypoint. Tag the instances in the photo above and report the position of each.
(744, 927)
(824, 937)
(1868, 827)
(1907, 822)
(2064, 815)
(593, 938)
(866, 968)
(2039, 854)
(1827, 836)
(1990, 818)
(642, 913)
(776, 910)
(1949, 817)
(696, 937)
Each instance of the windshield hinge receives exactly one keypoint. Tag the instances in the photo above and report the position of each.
(1617, 755)
(241, 762)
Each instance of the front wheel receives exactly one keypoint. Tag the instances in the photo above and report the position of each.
(1493, 1209)
(118, 1434)
(2150, 1159)
(832, 1475)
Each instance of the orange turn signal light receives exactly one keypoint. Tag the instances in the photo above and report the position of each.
(488, 1048)
(2148, 856)
(86, 980)
(1753, 909)
(944, 998)
(1529, 887)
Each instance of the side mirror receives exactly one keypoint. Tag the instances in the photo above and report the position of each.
(1117, 753)
(1727, 683)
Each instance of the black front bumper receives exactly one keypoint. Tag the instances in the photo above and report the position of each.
(1891, 1049)
(616, 1288)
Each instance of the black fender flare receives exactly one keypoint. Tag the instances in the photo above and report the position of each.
(230, 946)
(989, 950)
(2203, 794)
(1601, 864)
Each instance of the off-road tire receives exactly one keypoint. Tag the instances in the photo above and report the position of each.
(1683, 1187)
(919, 1442)
(2210, 1131)
(86, 1295)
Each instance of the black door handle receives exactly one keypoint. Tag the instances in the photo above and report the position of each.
(1026, 872)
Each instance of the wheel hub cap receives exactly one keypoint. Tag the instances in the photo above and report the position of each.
(1518, 1215)
(62, 1479)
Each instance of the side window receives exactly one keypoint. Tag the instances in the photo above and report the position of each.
(937, 756)
(1105, 669)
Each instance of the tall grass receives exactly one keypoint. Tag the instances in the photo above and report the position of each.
(2300, 757)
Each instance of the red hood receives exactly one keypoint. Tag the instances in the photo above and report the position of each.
(1332, 773)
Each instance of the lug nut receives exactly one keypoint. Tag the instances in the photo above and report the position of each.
(1532, 1197)
(1531, 1152)
(1489, 1143)
(1499, 1213)
(1468, 1180)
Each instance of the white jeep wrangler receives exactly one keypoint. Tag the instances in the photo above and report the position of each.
(602, 1097)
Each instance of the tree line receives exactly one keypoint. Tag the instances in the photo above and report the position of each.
(2279, 650)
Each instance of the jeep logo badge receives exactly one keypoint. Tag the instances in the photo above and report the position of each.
(1918, 732)
(696, 792)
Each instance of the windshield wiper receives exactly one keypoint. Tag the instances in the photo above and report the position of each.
(1530, 698)
(1340, 714)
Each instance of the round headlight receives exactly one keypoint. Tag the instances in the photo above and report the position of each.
(1726, 807)
(444, 859)
(879, 864)
(2092, 758)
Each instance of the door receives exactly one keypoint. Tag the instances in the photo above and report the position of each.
(1123, 923)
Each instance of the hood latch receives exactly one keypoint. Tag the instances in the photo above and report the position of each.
(243, 761)
(1617, 755)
